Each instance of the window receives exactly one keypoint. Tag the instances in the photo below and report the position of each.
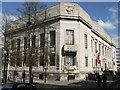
(42, 40)
(12, 44)
(102, 50)
(118, 54)
(52, 38)
(34, 41)
(25, 42)
(118, 65)
(69, 37)
(69, 61)
(41, 60)
(99, 48)
(52, 59)
(105, 51)
(86, 61)
(18, 56)
(92, 45)
(86, 41)
(95, 47)
(18, 44)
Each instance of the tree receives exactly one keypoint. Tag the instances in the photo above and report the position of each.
(30, 9)
(5, 20)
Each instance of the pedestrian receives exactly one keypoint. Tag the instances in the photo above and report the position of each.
(86, 77)
(104, 78)
(98, 80)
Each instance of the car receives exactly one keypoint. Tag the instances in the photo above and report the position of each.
(108, 73)
(18, 86)
(92, 76)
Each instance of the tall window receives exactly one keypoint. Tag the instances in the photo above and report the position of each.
(99, 48)
(86, 41)
(69, 37)
(102, 50)
(42, 41)
(92, 45)
(86, 61)
(18, 53)
(41, 60)
(52, 38)
(34, 41)
(114, 54)
(108, 52)
(105, 51)
(12, 44)
(25, 42)
(18, 44)
(95, 47)
(52, 59)
(42, 38)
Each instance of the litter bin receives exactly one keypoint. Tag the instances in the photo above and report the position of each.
(41, 76)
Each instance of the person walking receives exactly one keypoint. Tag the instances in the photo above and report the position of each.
(98, 80)
(86, 77)
(104, 78)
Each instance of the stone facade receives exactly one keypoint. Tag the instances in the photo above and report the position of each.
(75, 43)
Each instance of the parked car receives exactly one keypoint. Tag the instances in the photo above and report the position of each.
(18, 86)
(108, 73)
(92, 76)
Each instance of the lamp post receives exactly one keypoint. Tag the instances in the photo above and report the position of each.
(45, 74)
(5, 65)
(10, 52)
(5, 78)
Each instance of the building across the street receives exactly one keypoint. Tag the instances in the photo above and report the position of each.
(118, 59)
(65, 42)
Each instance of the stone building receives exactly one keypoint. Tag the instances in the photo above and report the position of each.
(65, 41)
(118, 59)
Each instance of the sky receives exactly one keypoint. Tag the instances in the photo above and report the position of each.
(104, 13)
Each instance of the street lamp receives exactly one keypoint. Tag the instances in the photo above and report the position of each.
(45, 74)
(5, 65)
(10, 57)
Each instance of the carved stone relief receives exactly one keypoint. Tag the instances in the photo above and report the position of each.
(69, 9)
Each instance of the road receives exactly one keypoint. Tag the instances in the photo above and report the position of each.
(76, 85)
